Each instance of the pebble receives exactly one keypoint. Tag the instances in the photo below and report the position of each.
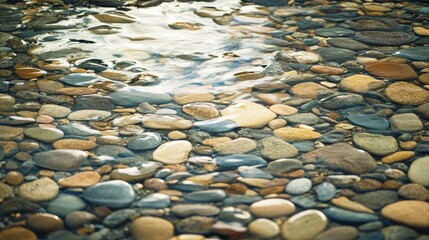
(414, 53)
(78, 219)
(392, 71)
(43, 189)
(376, 144)
(186, 210)
(272, 208)
(304, 225)
(54, 111)
(341, 215)
(196, 225)
(325, 191)
(342, 101)
(173, 152)
(409, 212)
(298, 186)
(414, 191)
(344, 202)
(78, 129)
(296, 134)
(248, 114)
(206, 196)
(406, 122)
(44, 223)
(231, 162)
(29, 72)
(407, 94)
(133, 96)
(155, 200)
(310, 90)
(375, 200)
(166, 122)
(47, 135)
(77, 144)
(89, 115)
(380, 38)
(201, 111)
(339, 233)
(11, 133)
(151, 228)
(397, 232)
(14, 178)
(144, 141)
(114, 194)
(263, 228)
(216, 125)
(64, 204)
(399, 156)
(273, 148)
(6, 191)
(236, 146)
(369, 121)
(185, 98)
(360, 83)
(347, 44)
(81, 179)
(63, 160)
(17, 233)
(418, 171)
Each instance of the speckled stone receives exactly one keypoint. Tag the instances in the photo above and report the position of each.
(418, 171)
(43, 189)
(304, 225)
(271, 208)
(406, 93)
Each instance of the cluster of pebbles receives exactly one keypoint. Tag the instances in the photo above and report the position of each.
(328, 141)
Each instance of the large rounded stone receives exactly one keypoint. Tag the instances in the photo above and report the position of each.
(151, 228)
(411, 213)
(173, 152)
(264, 228)
(114, 194)
(17, 233)
(274, 148)
(406, 93)
(39, 190)
(63, 160)
(55, 111)
(359, 83)
(248, 114)
(166, 122)
(47, 135)
(304, 225)
(89, 115)
(272, 208)
(392, 71)
(418, 172)
(376, 144)
(379, 38)
(44, 223)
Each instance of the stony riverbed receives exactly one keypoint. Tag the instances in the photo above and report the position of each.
(223, 119)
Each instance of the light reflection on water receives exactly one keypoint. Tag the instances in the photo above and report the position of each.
(208, 57)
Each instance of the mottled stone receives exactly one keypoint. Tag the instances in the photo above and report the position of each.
(89, 115)
(17, 233)
(310, 90)
(63, 160)
(43, 189)
(418, 171)
(81, 179)
(47, 135)
(236, 146)
(114, 194)
(304, 225)
(376, 144)
(55, 111)
(392, 71)
(271, 208)
(133, 96)
(273, 148)
(406, 122)
(296, 134)
(379, 38)
(407, 94)
(173, 152)
(248, 114)
(167, 122)
(263, 228)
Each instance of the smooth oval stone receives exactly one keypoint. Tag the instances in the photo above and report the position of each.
(392, 71)
(113, 151)
(44, 223)
(406, 122)
(5, 191)
(186, 210)
(80, 79)
(296, 134)
(398, 232)
(173, 152)
(342, 101)
(78, 129)
(206, 196)
(64, 204)
(144, 141)
(47, 135)
(272, 208)
(347, 44)
(338, 233)
(77, 144)
(304, 225)
(333, 54)
(369, 121)
(232, 214)
(302, 118)
(410, 212)
(406, 93)
(232, 162)
(375, 200)
(89, 115)
(283, 166)
(341, 215)
(418, 172)
(236, 146)
(114, 194)
(80, 179)
(133, 96)
(376, 144)
(17, 233)
(379, 38)
(334, 136)
(263, 228)
(119, 217)
(414, 53)
(54, 111)
(325, 191)
(166, 122)
(334, 32)
(273, 148)
(216, 125)
(63, 160)
(151, 228)
(196, 225)
(299, 186)
(43, 189)
(248, 114)
(155, 200)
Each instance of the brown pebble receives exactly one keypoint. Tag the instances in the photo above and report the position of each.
(44, 223)
(17, 233)
(14, 178)
(409, 145)
(81, 179)
(391, 184)
(367, 184)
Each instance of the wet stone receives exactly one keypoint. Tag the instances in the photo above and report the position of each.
(131, 97)
(166, 122)
(232, 162)
(186, 210)
(173, 152)
(145, 141)
(63, 204)
(206, 196)
(39, 190)
(414, 191)
(414, 53)
(282, 167)
(347, 43)
(298, 186)
(410, 212)
(271, 208)
(47, 135)
(369, 121)
(334, 32)
(377, 199)
(342, 101)
(236, 146)
(359, 83)
(63, 160)
(406, 122)
(418, 171)
(342, 232)
(264, 228)
(17, 233)
(304, 225)
(334, 136)
(325, 191)
(407, 94)
(94, 102)
(333, 54)
(216, 125)
(380, 38)
(392, 71)
(273, 148)
(113, 151)
(302, 118)
(79, 79)
(89, 114)
(44, 223)
(341, 215)
(114, 194)
(155, 200)
(376, 144)
(397, 232)
(151, 228)
(119, 217)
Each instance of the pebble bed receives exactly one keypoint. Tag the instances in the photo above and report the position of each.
(319, 130)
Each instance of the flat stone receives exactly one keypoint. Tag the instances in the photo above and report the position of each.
(282, 109)
(154, 200)
(11, 133)
(43, 189)
(304, 225)
(414, 191)
(376, 144)
(63, 160)
(55, 111)
(114, 194)
(414, 53)
(133, 174)
(151, 228)
(399, 156)
(78, 129)
(423, 110)
(116, 17)
(63, 204)
(409, 212)
(232, 162)
(342, 101)
(302, 118)
(359, 83)
(5, 191)
(377, 199)
(341, 215)
(298, 186)
(299, 56)
(418, 171)
(165, 122)
(333, 54)
(325, 191)
(310, 90)
(144, 141)
(127, 120)
(398, 232)
(47, 135)
(113, 151)
(370, 121)
(296, 134)
(273, 148)
(392, 71)
(80, 79)
(272, 208)
(263, 228)
(282, 167)
(17, 233)
(186, 210)
(76, 144)
(89, 115)
(119, 217)
(216, 125)
(341, 157)
(347, 44)
(406, 122)
(338, 233)
(95, 102)
(206, 196)
(407, 94)
(81, 179)
(173, 152)
(248, 114)
(44, 223)
(201, 111)
(196, 225)
(380, 38)
(133, 96)
(78, 219)
(185, 98)
(424, 78)
(236, 146)
(29, 72)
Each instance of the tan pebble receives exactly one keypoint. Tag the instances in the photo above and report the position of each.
(29, 72)
(22, 156)
(273, 98)
(82, 179)
(271, 208)
(282, 109)
(359, 83)
(177, 135)
(391, 184)
(327, 70)
(213, 141)
(345, 203)
(392, 71)
(421, 31)
(406, 93)
(185, 98)
(277, 123)
(151, 228)
(409, 145)
(397, 157)
(264, 228)
(76, 144)
(412, 213)
(304, 225)
(5, 191)
(309, 90)
(14, 178)
(46, 173)
(17, 233)
(44, 119)
(338, 233)
(296, 134)
(43, 189)
(44, 223)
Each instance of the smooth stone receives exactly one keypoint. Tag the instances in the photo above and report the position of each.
(119, 217)
(78, 129)
(151, 228)
(63, 160)
(144, 141)
(232, 162)
(407, 94)
(187, 210)
(424, 78)
(94, 102)
(186, 98)
(201, 111)
(334, 32)
(236, 146)
(5, 191)
(414, 191)
(132, 174)
(76, 144)
(216, 125)
(89, 115)
(299, 56)
(113, 151)
(232, 214)
(272, 208)
(310, 90)
(64, 204)
(299, 186)
(127, 120)
(282, 167)
(423, 110)
(55, 111)
(302, 118)
(206, 196)
(173, 152)
(399, 156)
(338, 233)
(133, 96)
(47, 135)
(17, 233)
(80, 179)
(409, 212)
(28, 73)
(414, 53)
(304, 225)
(342, 101)
(116, 17)
(11, 133)
(263, 228)
(370, 121)
(78, 219)
(392, 71)
(114, 194)
(196, 225)
(360, 83)
(44, 223)
(80, 79)
(418, 170)
(282, 109)
(406, 122)
(40, 190)
(341, 215)
(273, 148)
(325, 191)
(341, 157)
(347, 44)
(398, 232)
(166, 122)
(248, 114)
(296, 134)
(154, 200)
(380, 38)
(376, 144)
(333, 54)
(13, 178)
(377, 199)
